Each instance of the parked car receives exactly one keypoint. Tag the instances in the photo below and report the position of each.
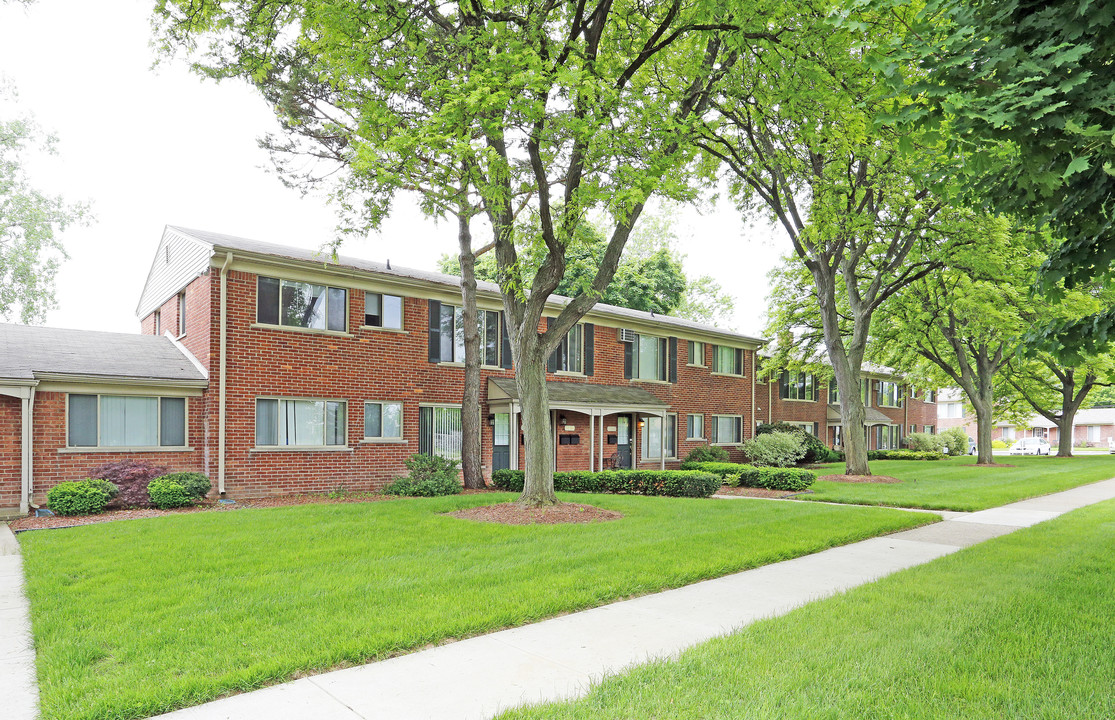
(971, 446)
(1030, 446)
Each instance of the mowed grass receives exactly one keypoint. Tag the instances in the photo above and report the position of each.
(1019, 627)
(956, 484)
(140, 617)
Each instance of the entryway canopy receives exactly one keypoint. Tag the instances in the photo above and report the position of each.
(871, 417)
(591, 399)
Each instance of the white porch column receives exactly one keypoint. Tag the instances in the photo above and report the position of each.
(514, 428)
(591, 439)
(662, 443)
(600, 465)
(27, 449)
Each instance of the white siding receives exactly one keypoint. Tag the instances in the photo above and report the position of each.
(178, 260)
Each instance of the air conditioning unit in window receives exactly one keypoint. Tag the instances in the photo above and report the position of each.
(628, 336)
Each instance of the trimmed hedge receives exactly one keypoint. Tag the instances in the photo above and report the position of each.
(425, 487)
(167, 493)
(196, 484)
(671, 483)
(707, 453)
(795, 479)
(815, 450)
(903, 455)
(80, 497)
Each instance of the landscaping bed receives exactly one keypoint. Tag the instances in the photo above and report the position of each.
(758, 492)
(514, 514)
(133, 619)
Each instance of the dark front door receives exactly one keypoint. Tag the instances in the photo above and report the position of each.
(501, 442)
(623, 441)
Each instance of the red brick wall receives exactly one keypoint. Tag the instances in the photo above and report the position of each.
(53, 463)
(199, 317)
(11, 439)
(391, 366)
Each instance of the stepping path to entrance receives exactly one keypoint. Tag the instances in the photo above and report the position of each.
(560, 658)
(19, 694)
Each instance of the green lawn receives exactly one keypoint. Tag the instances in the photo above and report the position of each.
(139, 617)
(955, 484)
(1019, 627)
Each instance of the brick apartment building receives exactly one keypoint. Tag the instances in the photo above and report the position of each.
(278, 370)
(1092, 427)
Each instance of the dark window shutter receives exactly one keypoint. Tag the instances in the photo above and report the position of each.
(714, 437)
(435, 331)
(673, 360)
(784, 385)
(629, 359)
(425, 430)
(739, 361)
(505, 342)
(552, 362)
(590, 347)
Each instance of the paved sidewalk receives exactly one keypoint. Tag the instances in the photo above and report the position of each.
(560, 658)
(19, 693)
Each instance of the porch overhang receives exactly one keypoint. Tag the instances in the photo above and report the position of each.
(589, 398)
(871, 417)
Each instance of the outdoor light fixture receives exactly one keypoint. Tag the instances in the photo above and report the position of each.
(561, 420)
(491, 419)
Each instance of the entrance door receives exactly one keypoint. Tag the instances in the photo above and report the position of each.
(623, 441)
(501, 442)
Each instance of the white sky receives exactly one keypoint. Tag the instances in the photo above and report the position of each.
(150, 148)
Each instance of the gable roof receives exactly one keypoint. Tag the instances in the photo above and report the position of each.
(582, 393)
(28, 353)
(223, 243)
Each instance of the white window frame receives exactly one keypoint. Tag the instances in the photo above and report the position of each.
(650, 450)
(885, 386)
(661, 373)
(691, 347)
(565, 364)
(381, 437)
(325, 413)
(283, 282)
(434, 408)
(717, 365)
(182, 314)
(382, 315)
(715, 441)
(157, 447)
(701, 430)
(1094, 430)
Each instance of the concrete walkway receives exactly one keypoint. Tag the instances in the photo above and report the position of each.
(560, 658)
(19, 693)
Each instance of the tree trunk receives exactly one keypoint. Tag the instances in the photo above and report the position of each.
(471, 463)
(538, 432)
(852, 418)
(982, 406)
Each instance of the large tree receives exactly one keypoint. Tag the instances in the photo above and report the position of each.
(574, 107)
(1028, 91)
(798, 137)
(30, 222)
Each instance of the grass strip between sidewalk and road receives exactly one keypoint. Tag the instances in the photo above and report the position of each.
(957, 484)
(1022, 626)
(139, 617)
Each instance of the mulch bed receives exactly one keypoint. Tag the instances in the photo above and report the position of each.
(993, 465)
(758, 492)
(885, 479)
(513, 514)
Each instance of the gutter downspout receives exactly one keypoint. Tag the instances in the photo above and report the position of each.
(754, 418)
(27, 450)
(223, 376)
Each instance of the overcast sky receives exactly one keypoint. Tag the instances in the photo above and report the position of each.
(151, 147)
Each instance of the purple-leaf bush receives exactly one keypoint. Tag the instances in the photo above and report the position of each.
(132, 478)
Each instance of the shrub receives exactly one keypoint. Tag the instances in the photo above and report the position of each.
(707, 453)
(815, 449)
(955, 440)
(775, 449)
(132, 478)
(905, 455)
(166, 493)
(794, 479)
(106, 487)
(197, 484)
(1000, 444)
(429, 476)
(924, 442)
(671, 483)
(80, 497)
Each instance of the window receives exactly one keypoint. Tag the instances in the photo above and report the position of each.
(1008, 433)
(653, 440)
(798, 386)
(695, 427)
(951, 410)
(865, 387)
(834, 393)
(303, 305)
(489, 337)
(452, 334)
(570, 351)
(439, 432)
(930, 396)
(292, 422)
(930, 429)
(837, 436)
(181, 313)
(651, 358)
(727, 429)
(809, 427)
(126, 421)
(890, 394)
(1039, 432)
(1093, 433)
(158, 322)
(696, 353)
(727, 360)
(383, 311)
(887, 437)
(383, 420)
